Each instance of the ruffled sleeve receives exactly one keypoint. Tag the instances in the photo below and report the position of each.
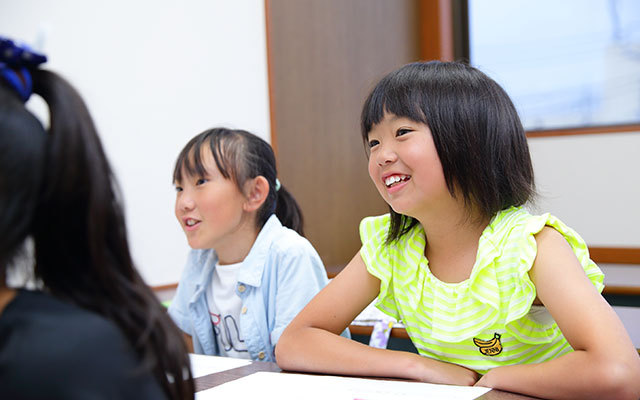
(376, 255)
(519, 321)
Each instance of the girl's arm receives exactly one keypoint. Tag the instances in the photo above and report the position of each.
(604, 364)
(312, 343)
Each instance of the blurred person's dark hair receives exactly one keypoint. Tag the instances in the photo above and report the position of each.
(56, 186)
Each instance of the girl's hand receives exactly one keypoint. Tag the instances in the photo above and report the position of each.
(433, 371)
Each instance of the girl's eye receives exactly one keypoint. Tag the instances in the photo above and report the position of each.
(201, 181)
(178, 189)
(402, 131)
(373, 143)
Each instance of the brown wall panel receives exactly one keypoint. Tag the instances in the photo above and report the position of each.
(324, 58)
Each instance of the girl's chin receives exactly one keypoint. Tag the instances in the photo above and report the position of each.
(195, 245)
(398, 209)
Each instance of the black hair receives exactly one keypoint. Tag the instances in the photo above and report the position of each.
(57, 187)
(475, 127)
(22, 154)
(240, 156)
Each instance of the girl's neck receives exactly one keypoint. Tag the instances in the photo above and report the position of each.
(446, 232)
(452, 236)
(236, 246)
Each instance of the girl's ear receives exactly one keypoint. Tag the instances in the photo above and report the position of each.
(257, 190)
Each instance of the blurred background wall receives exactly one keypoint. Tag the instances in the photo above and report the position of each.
(154, 74)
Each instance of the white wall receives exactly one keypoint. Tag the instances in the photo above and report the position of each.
(592, 183)
(154, 73)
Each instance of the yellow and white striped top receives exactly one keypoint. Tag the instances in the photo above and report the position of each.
(487, 320)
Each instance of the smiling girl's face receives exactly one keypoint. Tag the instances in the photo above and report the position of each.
(209, 208)
(404, 165)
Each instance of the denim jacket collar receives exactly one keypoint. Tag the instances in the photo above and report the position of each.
(205, 276)
(252, 268)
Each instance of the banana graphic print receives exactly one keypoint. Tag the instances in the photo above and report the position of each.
(491, 347)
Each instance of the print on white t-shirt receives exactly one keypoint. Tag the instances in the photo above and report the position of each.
(224, 308)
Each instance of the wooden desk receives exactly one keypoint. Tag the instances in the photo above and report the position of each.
(209, 381)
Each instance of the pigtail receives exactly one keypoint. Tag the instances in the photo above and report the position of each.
(81, 247)
(288, 211)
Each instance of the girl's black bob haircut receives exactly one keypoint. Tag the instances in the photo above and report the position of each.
(476, 130)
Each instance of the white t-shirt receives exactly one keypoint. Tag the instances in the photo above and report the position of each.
(224, 309)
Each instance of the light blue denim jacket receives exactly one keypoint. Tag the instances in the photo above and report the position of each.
(279, 276)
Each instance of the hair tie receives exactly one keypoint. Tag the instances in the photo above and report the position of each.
(15, 62)
(277, 184)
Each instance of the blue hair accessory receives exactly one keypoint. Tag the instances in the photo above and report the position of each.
(15, 62)
(277, 184)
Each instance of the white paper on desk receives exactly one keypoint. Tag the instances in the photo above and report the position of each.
(202, 365)
(274, 385)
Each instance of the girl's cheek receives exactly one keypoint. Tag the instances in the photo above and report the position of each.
(371, 169)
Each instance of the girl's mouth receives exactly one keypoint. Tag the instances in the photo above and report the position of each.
(191, 223)
(392, 180)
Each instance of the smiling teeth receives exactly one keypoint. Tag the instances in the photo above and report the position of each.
(394, 179)
(191, 222)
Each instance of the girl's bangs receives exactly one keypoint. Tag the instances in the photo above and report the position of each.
(190, 161)
(391, 97)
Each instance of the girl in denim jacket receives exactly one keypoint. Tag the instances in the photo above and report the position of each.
(251, 270)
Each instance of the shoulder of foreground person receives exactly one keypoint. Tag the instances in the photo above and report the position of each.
(56, 350)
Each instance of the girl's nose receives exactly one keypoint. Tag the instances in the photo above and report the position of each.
(185, 202)
(386, 155)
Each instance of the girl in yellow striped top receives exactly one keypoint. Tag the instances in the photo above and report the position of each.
(490, 294)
